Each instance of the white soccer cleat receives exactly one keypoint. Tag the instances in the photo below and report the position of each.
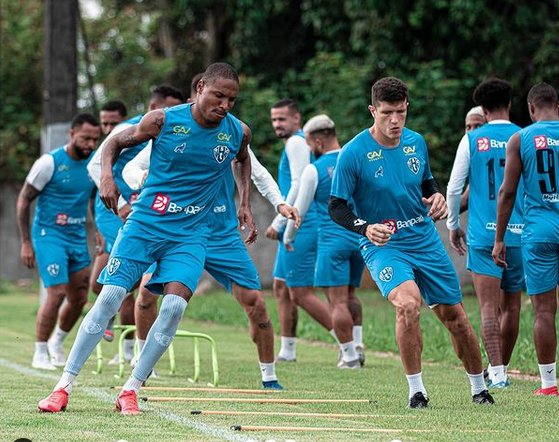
(41, 361)
(56, 353)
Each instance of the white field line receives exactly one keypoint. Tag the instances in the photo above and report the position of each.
(215, 432)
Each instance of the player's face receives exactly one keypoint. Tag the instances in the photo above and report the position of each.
(390, 118)
(473, 122)
(285, 122)
(84, 139)
(109, 120)
(315, 144)
(216, 99)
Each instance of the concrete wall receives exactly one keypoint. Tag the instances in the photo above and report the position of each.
(263, 252)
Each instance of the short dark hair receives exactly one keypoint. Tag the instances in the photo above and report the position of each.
(287, 102)
(324, 133)
(163, 91)
(81, 119)
(493, 94)
(389, 89)
(194, 84)
(219, 70)
(115, 106)
(543, 95)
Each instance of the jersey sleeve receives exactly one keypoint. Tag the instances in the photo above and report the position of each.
(264, 181)
(345, 176)
(41, 172)
(458, 176)
(305, 197)
(133, 172)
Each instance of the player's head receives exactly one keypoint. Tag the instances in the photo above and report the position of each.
(217, 92)
(286, 119)
(542, 98)
(474, 119)
(320, 133)
(493, 95)
(84, 134)
(389, 106)
(194, 88)
(165, 96)
(112, 113)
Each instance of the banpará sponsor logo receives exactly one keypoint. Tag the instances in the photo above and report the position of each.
(482, 144)
(188, 210)
(396, 225)
(485, 144)
(375, 155)
(181, 130)
(550, 197)
(63, 219)
(512, 227)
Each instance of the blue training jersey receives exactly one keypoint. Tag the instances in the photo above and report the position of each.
(62, 204)
(487, 169)
(539, 151)
(330, 234)
(188, 164)
(102, 214)
(224, 221)
(385, 185)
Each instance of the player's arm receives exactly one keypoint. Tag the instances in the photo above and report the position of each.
(148, 128)
(269, 189)
(305, 197)
(507, 196)
(241, 172)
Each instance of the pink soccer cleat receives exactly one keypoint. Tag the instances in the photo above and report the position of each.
(54, 402)
(127, 403)
(551, 391)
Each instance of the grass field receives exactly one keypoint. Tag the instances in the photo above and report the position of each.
(90, 417)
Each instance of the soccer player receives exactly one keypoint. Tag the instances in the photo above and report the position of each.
(481, 157)
(170, 223)
(108, 223)
(385, 171)
(58, 241)
(339, 265)
(111, 115)
(533, 155)
(294, 272)
(227, 259)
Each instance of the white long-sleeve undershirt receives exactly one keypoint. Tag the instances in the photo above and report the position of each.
(305, 197)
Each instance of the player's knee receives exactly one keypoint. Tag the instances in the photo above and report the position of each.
(146, 301)
(408, 311)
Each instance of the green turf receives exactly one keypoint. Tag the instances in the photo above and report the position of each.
(452, 417)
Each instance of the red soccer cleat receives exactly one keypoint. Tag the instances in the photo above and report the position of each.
(551, 391)
(127, 403)
(54, 402)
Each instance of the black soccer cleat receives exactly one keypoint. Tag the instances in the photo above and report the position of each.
(418, 400)
(483, 398)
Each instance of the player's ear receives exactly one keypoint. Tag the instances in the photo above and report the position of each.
(372, 110)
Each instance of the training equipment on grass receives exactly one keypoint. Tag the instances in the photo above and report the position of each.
(275, 413)
(256, 401)
(312, 429)
(212, 390)
(127, 329)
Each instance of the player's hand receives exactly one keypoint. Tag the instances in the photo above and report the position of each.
(99, 244)
(272, 233)
(437, 205)
(124, 211)
(378, 234)
(457, 241)
(245, 220)
(290, 213)
(109, 193)
(499, 254)
(27, 254)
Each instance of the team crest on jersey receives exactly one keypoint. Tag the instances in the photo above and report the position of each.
(540, 141)
(483, 144)
(386, 274)
(180, 148)
(221, 153)
(414, 165)
(379, 172)
(53, 270)
(113, 266)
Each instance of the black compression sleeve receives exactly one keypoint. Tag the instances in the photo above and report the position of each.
(430, 187)
(342, 214)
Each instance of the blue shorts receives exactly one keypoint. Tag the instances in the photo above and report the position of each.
(541, 266)
(431, 269)
(229, 262)
(512, 278)
(338, 268)
(57, 258)
(136, 249)
(296, 268)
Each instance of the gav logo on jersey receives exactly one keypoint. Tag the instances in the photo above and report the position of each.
(53, 269)
(409, 150)
(223, 137)
(181, 130)
(414, 165)
(386, 274)
(221, 153)
(375, 155)
(113, 266)
(483, 144)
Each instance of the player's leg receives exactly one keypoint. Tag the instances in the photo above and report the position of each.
(145, 311)
(357, 265)
(99, 264)
(342, 323)
(510, 320)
